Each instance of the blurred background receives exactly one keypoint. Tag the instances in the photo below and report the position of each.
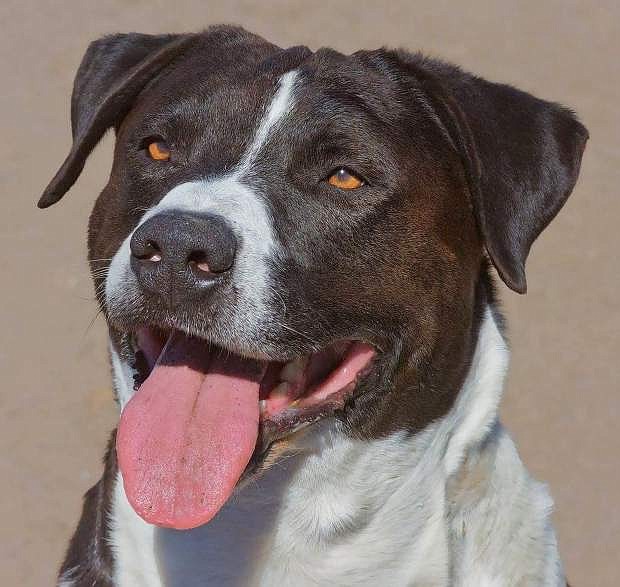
(562, 400)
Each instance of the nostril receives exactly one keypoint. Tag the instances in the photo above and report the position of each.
(197, 261)
(149, 251)
(152, 252)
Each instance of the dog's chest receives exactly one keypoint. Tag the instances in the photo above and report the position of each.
(322, 523)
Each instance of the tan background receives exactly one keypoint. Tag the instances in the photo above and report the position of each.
(562, 402)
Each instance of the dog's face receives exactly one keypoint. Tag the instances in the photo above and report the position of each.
(309, 228)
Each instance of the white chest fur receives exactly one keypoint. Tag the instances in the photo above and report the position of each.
(452, 506)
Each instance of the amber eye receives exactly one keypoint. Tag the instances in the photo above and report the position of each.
(158, 150)
(345, 179)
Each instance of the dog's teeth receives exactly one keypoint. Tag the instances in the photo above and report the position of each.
(282, 390)
(293, 371)
(262, 405)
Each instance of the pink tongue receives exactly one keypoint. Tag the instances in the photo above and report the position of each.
(187, 434)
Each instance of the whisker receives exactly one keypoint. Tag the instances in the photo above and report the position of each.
(302, 334)
(100, 289)
(92, 322)
(279, 296)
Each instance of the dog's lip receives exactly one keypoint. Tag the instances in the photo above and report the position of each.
(295, 393)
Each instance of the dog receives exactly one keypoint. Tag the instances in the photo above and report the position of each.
(294, 256)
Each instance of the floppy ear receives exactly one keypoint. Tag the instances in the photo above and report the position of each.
(113, 72)
(521, 156)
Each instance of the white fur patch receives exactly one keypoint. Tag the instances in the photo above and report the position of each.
(119, 278)
(122, 376)
(481, 391)
(132, 542)
(450, 506)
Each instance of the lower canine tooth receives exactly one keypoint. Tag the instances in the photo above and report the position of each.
(293, 371)
(282, 390)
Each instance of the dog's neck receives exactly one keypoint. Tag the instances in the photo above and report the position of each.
(451, 505)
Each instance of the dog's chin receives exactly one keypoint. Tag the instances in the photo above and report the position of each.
(297, 390)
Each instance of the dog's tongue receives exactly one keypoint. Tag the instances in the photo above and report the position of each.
(187, 434)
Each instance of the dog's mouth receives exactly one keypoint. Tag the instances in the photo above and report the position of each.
(201, 413)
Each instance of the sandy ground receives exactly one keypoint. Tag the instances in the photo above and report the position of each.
(562, 401)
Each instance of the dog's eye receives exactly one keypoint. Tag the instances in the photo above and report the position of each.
(345, 179)
(158, 150)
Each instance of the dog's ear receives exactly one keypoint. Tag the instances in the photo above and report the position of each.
(113, 72)
(521, 157)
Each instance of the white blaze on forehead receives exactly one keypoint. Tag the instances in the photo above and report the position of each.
(279, 107)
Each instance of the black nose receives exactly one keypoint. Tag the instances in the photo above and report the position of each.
(175, 254)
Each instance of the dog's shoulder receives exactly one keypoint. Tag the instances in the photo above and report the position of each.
(89, 559)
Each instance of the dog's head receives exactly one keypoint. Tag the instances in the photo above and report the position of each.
(288, 236)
